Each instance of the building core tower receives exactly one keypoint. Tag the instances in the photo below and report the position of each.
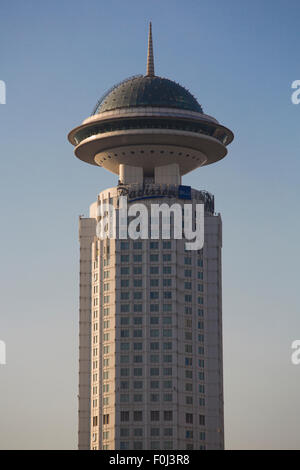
(150, 326)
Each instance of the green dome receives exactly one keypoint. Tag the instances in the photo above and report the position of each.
(143, 91)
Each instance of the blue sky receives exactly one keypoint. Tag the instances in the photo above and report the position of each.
(239, 59)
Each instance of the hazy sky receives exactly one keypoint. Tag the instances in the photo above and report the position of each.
(239, 59)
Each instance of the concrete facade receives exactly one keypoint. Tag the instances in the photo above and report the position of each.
(150, 338)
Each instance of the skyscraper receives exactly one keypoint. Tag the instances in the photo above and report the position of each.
(150, 326)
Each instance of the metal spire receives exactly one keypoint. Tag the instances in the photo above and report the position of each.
(150, 60)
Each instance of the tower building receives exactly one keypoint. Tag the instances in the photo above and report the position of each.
(150, 320)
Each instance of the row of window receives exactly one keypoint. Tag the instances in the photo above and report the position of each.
(154, 445)
(154, 333)
(154, 384)
(126, 308)
(153, 319)
(154, 258)
(155, 415)
(138, 245)
(153, 245)
(137, 415)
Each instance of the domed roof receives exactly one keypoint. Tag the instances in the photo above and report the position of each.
(152, 91)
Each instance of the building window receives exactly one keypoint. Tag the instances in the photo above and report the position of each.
(124, 270)
(168, 397)
(137, 245)
(153, 245)
(124, 333)
(167, 307)
(124, 416)
(154, 358)
(168, 445)
(124, 432)
(154, 320)
(137, 385)
(138, 295)
(202, 420)
(154, 270)
(154, 333)
(124, 398)
(138, 397)
(154, 415)
(137, 333)
(154, 397)
(154, 307)
(154, 432)
(137, 445)
(154, 384)
(105, 419)
(138, 307)
(138, 416)
(167, 333)
(168, 415)
(124, 308)
(167, 358)
(137, 359)
(154, 295)
(167, 269)
(124, 445)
